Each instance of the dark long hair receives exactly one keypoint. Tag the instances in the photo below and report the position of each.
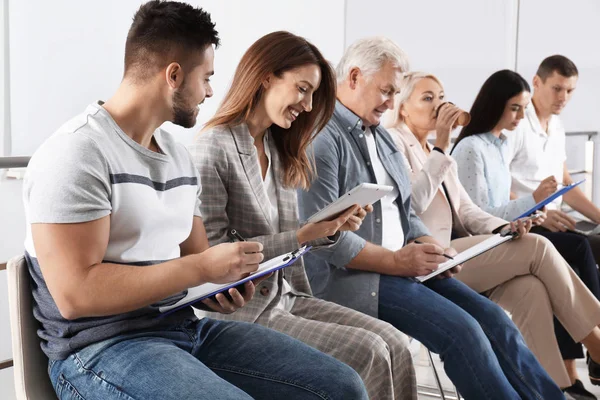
(490, 102)
(277, 53)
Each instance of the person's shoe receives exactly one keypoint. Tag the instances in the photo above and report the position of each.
(578, 392)
(593, 370)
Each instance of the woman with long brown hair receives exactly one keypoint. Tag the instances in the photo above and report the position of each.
(251, 158)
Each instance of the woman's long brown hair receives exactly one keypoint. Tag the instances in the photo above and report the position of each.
(275, 54)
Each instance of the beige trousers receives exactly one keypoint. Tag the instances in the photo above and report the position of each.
(530, 279)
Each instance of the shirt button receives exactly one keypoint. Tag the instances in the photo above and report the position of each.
(378, 220)
(264, 291)
(361, 136)
(349, 128)
(368, 163)
(373, 294)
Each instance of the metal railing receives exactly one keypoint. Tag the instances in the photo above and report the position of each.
(14, 162)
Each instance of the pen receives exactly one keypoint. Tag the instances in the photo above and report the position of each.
(444, 254)
(235, 236)
(538, 181)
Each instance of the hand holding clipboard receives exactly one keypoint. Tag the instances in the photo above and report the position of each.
(549, 199)
(208, 290)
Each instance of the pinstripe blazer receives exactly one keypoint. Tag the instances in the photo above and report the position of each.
(233, 197)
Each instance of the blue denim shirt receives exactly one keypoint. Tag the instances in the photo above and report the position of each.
(342, 163)
(483, 170)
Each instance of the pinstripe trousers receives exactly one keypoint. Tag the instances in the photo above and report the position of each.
(375, 349)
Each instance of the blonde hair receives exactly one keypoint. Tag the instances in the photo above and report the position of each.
(392, 117)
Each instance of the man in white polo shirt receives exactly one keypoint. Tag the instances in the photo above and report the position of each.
(538, 146)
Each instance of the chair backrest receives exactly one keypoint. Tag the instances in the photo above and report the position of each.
(30, 363)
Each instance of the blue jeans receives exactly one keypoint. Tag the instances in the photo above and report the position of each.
(205, 359)
(577, 252)
(484, 354)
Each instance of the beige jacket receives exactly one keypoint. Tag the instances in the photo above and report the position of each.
(429, 201)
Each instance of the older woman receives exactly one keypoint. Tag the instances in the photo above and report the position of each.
(528, 277)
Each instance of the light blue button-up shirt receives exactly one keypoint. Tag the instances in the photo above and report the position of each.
(343, 162)
(483, 170)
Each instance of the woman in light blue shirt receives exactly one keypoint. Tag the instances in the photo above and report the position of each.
(481, 154)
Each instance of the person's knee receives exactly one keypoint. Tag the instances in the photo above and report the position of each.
(351, 386)
(397, 342)
(495, 319)
(534, 241)
(466, 333)
(375, 351)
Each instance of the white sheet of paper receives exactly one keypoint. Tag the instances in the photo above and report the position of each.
(201, 291)
(468, 254)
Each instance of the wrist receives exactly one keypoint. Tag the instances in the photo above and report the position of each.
(597, 217)
(193, 270)
(442, 145)
(441, 142)
(302, 235)
(393, 262)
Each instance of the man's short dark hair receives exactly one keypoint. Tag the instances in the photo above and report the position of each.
(558, 63)
(163, 32)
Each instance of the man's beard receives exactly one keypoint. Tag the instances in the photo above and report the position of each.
(182, 114)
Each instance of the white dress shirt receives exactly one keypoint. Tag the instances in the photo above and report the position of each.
(535, 154)
(393, 235)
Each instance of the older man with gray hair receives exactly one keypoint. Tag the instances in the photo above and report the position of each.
(372, 270)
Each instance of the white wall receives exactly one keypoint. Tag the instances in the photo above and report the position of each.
(460, 41)
(572, 29)
(3, 81)
(72, 59)
(6, 387)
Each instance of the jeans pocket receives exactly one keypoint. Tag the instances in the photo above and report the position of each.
(66, 391)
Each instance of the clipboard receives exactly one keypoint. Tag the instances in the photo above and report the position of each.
(549, 199)
(207, 290)
(469, 254)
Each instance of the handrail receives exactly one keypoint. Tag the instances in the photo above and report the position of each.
(589, 134)
(14, 162)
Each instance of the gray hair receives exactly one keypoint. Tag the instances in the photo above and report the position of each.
(369, 55)
(392, 117)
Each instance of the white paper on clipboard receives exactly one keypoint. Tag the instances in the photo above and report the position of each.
(468, 254)
(206, 290)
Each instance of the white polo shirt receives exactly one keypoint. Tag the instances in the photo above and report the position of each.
(535, 155)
